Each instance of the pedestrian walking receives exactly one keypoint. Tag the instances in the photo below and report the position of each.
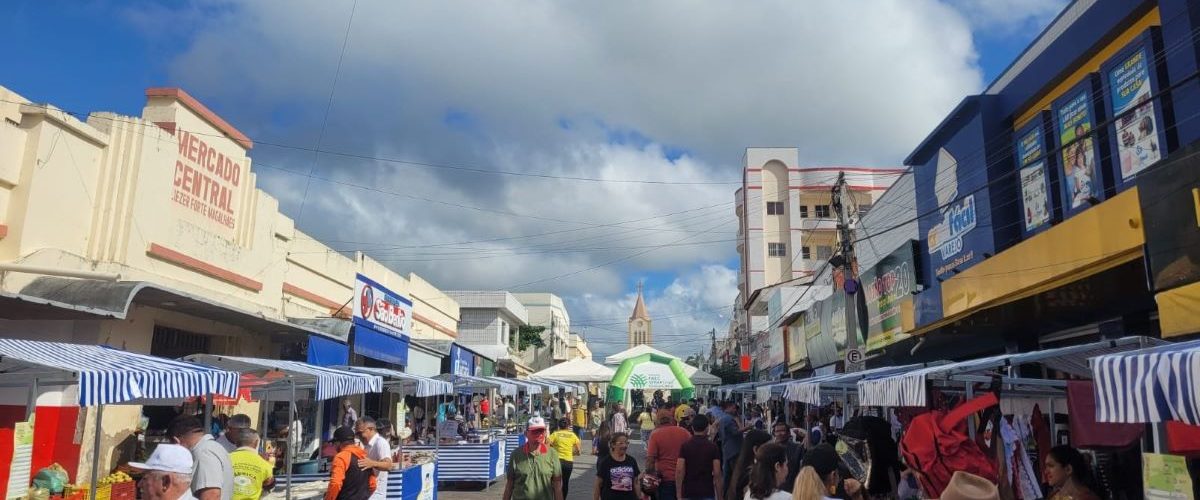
(782, 435)
(730, 432)
(349, 479)
(212, 472)
(740, 478)
(252, 474)
(646, 424)
(534, 471)
(698, 468)
(379, 455)
(566, 444)
(617, 475)
(619, 424)
(166, 474)
(662, 455)
(600, 440)
(580, 418)
(769, 472)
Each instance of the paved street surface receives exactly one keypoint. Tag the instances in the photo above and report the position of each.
(582, 479)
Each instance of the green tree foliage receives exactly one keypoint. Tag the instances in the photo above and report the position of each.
(530, 336)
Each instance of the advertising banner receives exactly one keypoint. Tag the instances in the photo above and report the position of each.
(885, 286)
(1080, 174)
(381, 309)
(1137, 133)
(818, 340)
(462, 362)
(797, 351)
(775, 346)
(1035, 190)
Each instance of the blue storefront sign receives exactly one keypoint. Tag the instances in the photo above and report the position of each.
(382, 320)
(462, 361)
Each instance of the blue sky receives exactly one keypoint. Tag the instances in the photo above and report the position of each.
(671, 95)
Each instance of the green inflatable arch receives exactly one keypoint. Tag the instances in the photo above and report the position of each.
(617, 387)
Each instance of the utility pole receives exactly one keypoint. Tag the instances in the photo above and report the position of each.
(712, 355)
(849, 277)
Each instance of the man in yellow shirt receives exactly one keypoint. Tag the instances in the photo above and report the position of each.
(566, 443)
(252, 474)
(683, 410)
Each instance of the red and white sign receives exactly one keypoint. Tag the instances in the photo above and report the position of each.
(380, 308)
(205, 183)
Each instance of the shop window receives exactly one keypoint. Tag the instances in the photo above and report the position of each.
(822, 211)
(777, 249)
(774, 208)
(173, 343)
(803, 211)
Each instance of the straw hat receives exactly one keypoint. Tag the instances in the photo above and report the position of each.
(967, 486)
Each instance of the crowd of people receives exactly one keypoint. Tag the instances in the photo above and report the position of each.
(232, 465)
(710, 452)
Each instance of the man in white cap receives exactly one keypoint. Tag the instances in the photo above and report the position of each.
(534, 471)
(168, 474)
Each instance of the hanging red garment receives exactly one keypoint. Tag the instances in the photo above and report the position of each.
(1086, 432)
(1183, 439)
(1041, 434)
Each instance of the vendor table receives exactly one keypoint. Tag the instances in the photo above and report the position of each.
(468, 462)
(417, 482)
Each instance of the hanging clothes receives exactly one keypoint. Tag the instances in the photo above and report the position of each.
(1086, 432)
(1025, 479)
(1041, 434)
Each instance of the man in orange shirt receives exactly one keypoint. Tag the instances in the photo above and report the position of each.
(347, 479)
(662, 454)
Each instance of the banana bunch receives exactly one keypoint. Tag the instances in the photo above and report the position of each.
(116, 478)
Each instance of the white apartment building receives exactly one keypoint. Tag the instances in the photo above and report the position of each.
(786, 223)
(578, 348)
(489, 323)
(548, 310)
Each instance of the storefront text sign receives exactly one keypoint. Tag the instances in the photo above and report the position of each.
(206, 182)
(381, 309)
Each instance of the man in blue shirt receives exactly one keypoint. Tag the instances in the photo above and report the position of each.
(730, 431)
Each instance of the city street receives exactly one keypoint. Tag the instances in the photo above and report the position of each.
(581, 479)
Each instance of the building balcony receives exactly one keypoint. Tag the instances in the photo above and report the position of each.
(815, 224)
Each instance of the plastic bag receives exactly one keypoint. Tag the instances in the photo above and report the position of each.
(52, 478)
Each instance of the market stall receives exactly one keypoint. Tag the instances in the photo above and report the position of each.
(478, 456)
(102, 376)
(280, 380)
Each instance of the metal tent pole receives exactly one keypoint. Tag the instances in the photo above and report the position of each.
(208, 411)
(31, 407)
(96, 451)
(287, 461)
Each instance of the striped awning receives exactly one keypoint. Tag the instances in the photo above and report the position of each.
(107, 375)
(809, 390)
(530, 388)
(471, 382)
(908, 388)
(327, 383)
(415, 385)
(1149, 385)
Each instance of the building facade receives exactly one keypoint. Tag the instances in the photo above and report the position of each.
(548, 310)
(489, 323)
(578, 348)
(148, 234)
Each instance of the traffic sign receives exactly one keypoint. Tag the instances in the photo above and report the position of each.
(854, 356)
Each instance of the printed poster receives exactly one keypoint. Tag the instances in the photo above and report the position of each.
(886, 285)
(1137, 133)
(1034, 196)
(1165, 477)
(427, 482)
(1080, 174)
(21, 469)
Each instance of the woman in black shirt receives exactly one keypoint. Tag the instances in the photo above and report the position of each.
(617, 475)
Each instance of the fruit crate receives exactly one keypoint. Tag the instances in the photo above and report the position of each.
(104, 492)
(123, 491)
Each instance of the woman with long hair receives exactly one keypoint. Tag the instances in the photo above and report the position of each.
(819, 478)
(741, 468)
(769, 471)
(1069, 476)
(617, 475)
(600, 440)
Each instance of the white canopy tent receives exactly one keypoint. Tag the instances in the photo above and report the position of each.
(577, 370)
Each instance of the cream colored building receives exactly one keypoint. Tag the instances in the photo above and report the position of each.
(148, 233)
(578, 348)
(548, 310)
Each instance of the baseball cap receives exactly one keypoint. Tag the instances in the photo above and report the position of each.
(167, 458)
(537, 423)
(342, 435)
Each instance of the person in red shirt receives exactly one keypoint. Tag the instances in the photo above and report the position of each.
(485, 407)
(663, 451)
(347, 479)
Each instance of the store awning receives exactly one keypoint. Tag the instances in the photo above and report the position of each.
(809, 390)
(908, 388)
(473, 383)
(327, 383)
(107, 376)
(1149, 385)
(522, 384)
(415, 385)
(566, 387)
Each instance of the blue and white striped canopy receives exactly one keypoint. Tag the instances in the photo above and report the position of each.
(327, 383)
(107, 375)
(1149, 385)
(809, 390)
(421, 386)
(473, 383)
(908, 388)
(530, 388)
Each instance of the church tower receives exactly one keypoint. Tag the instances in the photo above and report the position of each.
(640, 329)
